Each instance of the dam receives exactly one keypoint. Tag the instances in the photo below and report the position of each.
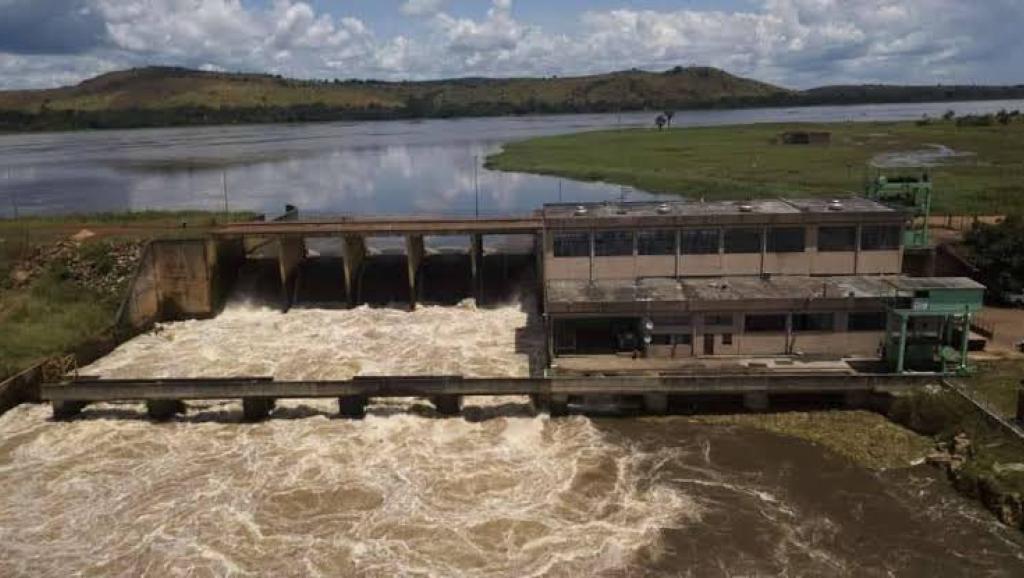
(643, 303)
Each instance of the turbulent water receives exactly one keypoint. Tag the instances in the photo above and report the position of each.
(497, 492)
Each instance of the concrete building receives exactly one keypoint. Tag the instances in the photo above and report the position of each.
(685, 279)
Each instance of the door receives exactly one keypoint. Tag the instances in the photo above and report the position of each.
(709, 344)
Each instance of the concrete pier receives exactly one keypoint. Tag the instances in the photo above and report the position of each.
(558, 405)
(355, 256)
(67, 409)
(414, 251)
(164, 409)
(447, 404)
(291, 251)
(257, 408)
(476, 262)
(352, 406)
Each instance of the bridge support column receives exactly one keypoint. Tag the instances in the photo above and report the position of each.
(656, 403)
(355, 256)
(67, 409)
(414, 251)
(352, 406)
(257, 408)
(476, 263)
(558, 405)
(164, 409)
(290, 253)
(447, 404)
(756, 401)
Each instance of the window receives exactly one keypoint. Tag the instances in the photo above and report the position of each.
(572, 244)
(699, 242)
(814, 322)
(743, 240)
(764, 323)
(718, 320)
(880, 238)
(787, 240)
(656, 243)
(613, 244)
(834, 239)
(727, 339)
(664, 339)
(866, 321)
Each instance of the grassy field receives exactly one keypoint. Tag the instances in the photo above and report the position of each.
(745, 161)
(54, 311)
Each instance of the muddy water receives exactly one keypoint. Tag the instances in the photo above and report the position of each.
(499, 492)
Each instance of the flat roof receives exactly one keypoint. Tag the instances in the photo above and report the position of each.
(705, 289)
(695, 208)
(925, 283)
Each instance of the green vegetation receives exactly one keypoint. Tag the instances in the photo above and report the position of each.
(866, 438)
(175, 97)
(998, 253)
(56, 294)
(987, 177)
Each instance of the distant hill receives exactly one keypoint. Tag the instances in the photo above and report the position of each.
(160, 96)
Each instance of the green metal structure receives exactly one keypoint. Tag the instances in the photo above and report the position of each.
(911, 193)
(930, 323)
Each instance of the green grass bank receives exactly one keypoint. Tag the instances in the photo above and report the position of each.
(984, 175)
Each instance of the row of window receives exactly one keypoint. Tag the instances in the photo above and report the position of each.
(776, 322)
(731, 241)
(805, 322)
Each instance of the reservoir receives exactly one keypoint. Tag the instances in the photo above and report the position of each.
(364, 168)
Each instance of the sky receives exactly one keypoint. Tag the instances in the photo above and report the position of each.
(794, 43)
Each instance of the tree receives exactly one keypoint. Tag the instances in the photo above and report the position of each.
(668, 117)
(660, 121)
(998, 253)
(950, 115)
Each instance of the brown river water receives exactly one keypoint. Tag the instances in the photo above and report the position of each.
(496, 492)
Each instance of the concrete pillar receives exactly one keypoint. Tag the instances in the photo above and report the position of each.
(290, 253)
(476, 264)
(855, 399)
(789, 334)
(447, 404)
(656, 403)
(257, 408)
(67, 409)
(965, 340)
(540, 402)
(756, 401)
(558, 405)
(355, 255)
(414, 251)
(352, 406)
(901, 354)
(164, 409)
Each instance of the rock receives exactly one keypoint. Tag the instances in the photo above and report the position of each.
(82, 235)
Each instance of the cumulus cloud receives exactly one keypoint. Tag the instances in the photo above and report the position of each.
(793, 42)
(421, 7)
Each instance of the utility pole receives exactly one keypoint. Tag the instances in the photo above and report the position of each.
(476, 185)
(224, 186)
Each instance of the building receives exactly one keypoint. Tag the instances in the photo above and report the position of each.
(780, 277)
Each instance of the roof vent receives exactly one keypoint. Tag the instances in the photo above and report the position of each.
(745, 207)
(580, 211)
(835, 205)
(664, 209)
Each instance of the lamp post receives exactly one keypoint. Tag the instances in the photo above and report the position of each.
(476, 186)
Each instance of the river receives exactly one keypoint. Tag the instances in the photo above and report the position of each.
(497, 492)
(393, 167)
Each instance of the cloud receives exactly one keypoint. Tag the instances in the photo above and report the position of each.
(792, 42)
(49, 27)
(422, 7)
